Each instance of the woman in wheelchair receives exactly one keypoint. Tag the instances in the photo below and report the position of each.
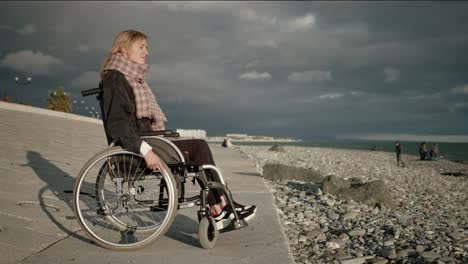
(129, 107)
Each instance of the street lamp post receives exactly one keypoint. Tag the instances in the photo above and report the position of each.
(23, 81)
(78, 105)
(84, 109)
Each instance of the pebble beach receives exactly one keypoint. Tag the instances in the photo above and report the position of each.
(428, 222)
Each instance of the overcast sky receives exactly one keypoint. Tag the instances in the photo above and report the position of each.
(309, 70)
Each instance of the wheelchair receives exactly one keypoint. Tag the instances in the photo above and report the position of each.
(122, 205)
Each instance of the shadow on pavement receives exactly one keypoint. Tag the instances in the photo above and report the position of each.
(57, 182)
(61, 185)
(183, 229)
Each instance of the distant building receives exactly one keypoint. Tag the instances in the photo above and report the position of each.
(237, 136)
(192, 133)
(262, 137)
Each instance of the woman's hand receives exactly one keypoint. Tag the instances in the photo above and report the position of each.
(153, 162)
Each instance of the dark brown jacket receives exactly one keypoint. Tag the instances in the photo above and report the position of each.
(118, 112)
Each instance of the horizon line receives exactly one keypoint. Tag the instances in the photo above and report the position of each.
(407, 137)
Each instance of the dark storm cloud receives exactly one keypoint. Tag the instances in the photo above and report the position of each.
(299, 69)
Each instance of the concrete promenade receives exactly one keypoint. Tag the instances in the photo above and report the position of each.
(41, 154)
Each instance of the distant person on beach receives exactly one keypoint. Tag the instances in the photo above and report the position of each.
(423, 151)
(398, 154)
(434, 154)
(129, 106)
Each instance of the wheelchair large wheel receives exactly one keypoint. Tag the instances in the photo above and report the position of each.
(122, 205)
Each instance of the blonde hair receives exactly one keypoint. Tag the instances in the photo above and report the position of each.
(124, 39)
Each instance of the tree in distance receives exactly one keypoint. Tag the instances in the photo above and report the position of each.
(6, 97)
(59, 100)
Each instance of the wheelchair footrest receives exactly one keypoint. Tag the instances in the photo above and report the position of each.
(241, 223)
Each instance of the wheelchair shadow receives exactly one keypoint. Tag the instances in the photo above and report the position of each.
(57, 182)
(184, 229)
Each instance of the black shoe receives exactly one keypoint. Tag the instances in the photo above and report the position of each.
(248, 213)
(240, 208)
(223, 220)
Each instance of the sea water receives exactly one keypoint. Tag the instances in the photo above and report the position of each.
(450, 151)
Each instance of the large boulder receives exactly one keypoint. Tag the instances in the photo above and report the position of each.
(374, 193)
(332, 184)
(275, 171)
(277, 148)
(227, 143)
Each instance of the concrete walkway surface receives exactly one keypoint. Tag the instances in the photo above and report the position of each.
(40, 156)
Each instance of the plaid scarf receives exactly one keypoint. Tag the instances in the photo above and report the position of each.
(146, 104)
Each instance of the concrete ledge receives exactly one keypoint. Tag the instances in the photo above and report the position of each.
(40, 159)
(43, 111)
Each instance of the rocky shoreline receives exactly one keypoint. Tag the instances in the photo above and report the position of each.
(428, 222)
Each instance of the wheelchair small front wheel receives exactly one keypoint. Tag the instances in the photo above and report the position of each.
(207, 232)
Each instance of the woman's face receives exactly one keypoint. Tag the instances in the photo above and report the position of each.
(137, 52)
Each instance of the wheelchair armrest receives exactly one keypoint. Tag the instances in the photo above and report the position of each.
(165, 133)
